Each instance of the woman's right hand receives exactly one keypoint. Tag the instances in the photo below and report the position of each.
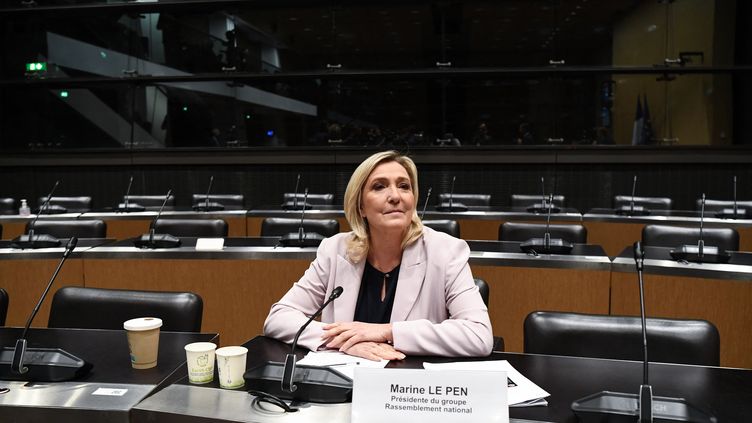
(375, 351)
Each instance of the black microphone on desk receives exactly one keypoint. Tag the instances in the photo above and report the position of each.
(452, 206)
(732, 213)
(32, 241)
(632, 209)
(154, 240)
(425, 205)
(301, 238)
(207, 206)
(544, 206)
(546, 245)
(700, 253)
(294, 204)
(310, 383)
(126, 206)
(41, 364)
(644, 406)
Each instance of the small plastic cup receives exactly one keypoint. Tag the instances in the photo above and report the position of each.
(231, 366)
(200, 360)
(143, 341)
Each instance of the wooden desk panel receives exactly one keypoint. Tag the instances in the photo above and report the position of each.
(237, 294)
(13, 229)
(131, 228)
(514, 292)
(614, 237)
(488, 230)
(25, 281)
(725, 303)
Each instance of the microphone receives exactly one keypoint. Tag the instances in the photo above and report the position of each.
(208, 206)
(301, 238)
(153, 240)
(451, 206)
(732, 213)
(632, 209)
(700, 253)
(42, 364)
(543, 207)
(642, 406)
(312, 384)
(294, 204)
(423, 213)
(126, 206)
(546, 245)
(32, 241)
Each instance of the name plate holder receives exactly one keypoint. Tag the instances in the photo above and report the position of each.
(423, 396)
(210, 244)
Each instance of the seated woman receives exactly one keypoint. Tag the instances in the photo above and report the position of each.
(407, 288)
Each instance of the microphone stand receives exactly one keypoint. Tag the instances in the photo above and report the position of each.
(209, 206)
(153, 240)
(735, 212)
(425, 205)
(452, 206)
(41, 364)
(700, 253)
(126, 206)
(606, 405)
(547, 245)
(301, 238)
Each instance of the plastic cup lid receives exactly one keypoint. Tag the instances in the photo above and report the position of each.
(200, 346)
(231, 351)
(143, 323)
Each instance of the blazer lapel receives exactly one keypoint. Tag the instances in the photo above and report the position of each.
(411, 277)
(348, 276)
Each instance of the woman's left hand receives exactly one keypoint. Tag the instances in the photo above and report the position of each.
(346, 334)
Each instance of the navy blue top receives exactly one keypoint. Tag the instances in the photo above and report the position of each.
(370, 308)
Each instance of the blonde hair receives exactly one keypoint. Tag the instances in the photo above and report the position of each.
(358, 244)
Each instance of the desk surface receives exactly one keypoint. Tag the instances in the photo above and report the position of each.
(107, 351)
(724, 392)
(658, 261)
(665, 216)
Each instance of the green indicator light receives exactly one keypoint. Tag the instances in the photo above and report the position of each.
(185, 108)
(64, 94)
(36, 66)
(247, 116)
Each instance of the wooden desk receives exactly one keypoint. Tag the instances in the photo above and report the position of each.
(719, 293)
(130, 225)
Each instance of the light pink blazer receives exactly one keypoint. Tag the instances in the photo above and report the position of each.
(437, 308)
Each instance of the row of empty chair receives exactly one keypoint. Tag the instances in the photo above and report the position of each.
(82, 204)
(556, 333)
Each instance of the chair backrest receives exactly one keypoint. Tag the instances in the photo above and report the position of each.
(229, 201)
(8, 206)
(97, 308)
(279, 226)
(521, 232)
(211, 228)
(483, 289)
(1, 231)
(620, 337)
(313, 199)
(152, 202)
(448, 226)
(71, 204)
(94, 228)
(650, 203)
(527, 200)
(713, 206)
(3, 306)
(674, 236)
(470, 200)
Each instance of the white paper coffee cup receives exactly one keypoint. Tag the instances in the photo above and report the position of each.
(231, 366)
(143, 341)
(200, 360)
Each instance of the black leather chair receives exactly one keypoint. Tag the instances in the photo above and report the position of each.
(3, 306)
(229, 201)
(313, 199)
(8, 206)
(674, 236)
(66, 204)
(97, 308)
(470, 200)
(94, 228)
(525, 200)
(713, 206)
(280, 226)
(447, 226)
(620, 337)
(483, 289)
(1, 231)
(521, 232)
(650, 203)
(151, 202)
(200, 228)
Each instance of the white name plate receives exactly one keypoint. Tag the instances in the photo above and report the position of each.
(210, 244)
(417, 396)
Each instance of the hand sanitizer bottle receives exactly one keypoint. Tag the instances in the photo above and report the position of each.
(24, 210)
